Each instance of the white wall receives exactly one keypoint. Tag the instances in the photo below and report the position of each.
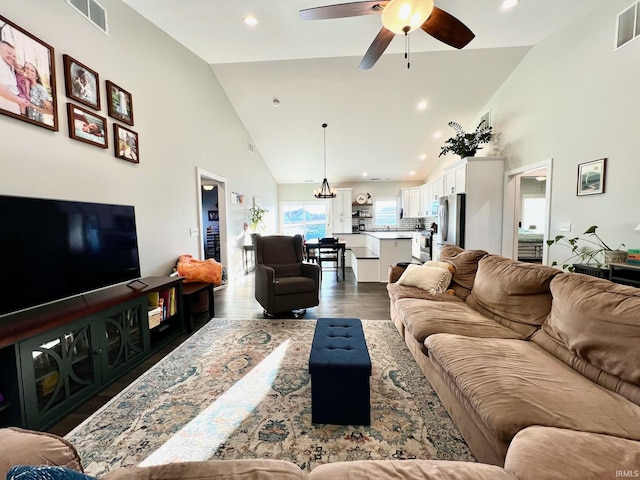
(574, 99)
(304, 191)
(183, 118)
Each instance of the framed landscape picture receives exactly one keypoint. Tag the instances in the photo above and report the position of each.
(81, 83)
(85, 126)
(120, 103)
(27, 77)
(125, 143)
(591, 177)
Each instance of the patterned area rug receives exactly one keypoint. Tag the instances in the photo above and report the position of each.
(241, 389)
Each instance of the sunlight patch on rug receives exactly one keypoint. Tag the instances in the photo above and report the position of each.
(200, 438)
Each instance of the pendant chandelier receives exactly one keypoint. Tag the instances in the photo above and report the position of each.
(325, 190)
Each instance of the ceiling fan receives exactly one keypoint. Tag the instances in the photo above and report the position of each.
(398, 17)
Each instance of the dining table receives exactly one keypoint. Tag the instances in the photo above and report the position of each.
(339, 247)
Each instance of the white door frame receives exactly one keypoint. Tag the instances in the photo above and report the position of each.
(512, 207)
(222, 211)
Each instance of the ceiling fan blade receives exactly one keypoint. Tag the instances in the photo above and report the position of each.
(376, 49)
(447, 28)
(353, 9)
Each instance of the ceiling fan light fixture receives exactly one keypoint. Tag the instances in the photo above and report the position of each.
(400, 14)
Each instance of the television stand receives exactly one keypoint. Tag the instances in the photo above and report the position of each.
(56, 356)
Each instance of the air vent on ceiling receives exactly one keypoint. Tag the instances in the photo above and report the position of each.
(251, 147)
(92, 11)
(628, 25)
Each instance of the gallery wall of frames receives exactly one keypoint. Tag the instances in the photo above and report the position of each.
(28, 93)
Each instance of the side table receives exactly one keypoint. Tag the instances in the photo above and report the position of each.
(189, 292)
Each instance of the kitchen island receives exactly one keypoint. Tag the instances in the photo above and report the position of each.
(371, 253)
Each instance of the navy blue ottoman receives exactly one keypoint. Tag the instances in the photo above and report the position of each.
(340, 367)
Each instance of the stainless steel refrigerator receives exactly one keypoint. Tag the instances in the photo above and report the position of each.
(451, 216)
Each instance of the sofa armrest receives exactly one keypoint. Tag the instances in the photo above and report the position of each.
(394, 272)
(29, 447)
(557, 453)
(211, 470)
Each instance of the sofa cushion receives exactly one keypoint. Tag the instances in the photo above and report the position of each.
(594, 327)
(211, 470)
(513, 384)
(29, 447)
(422, 318)
(465, 263)
(432, 279)
(397, 291)
(409, 470)
(513, 293)
(557, 454)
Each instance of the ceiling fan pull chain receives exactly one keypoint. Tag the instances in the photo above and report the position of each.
(406, 46)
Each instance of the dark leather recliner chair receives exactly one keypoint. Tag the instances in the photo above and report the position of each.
(283, 282)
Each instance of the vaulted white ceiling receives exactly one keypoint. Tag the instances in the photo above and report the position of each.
(311, 67)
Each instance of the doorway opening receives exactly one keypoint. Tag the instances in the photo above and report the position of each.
(212, 212)
(527, 213)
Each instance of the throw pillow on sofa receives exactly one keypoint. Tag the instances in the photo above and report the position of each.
(434, 280)
(28, 472)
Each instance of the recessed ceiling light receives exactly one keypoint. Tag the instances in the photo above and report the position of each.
(276, 102)
(507, 4)
(422, 105)
(412, 173)
(250, 20)
(423, 156)
(437, 135)
(365, 174)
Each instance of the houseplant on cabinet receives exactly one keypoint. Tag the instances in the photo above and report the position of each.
(590, 253)
(466, 144)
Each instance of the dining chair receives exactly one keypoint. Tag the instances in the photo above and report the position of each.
(328, 253)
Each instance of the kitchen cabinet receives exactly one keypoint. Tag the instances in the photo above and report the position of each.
(412, 202)
(341, 211)
(481, 179)
(431, 192)
(455, 178)
(415, 245)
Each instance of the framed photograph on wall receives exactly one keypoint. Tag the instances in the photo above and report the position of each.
(591, 177)
(126, 144)
(81, 83)
(27, 77)
(85, 126)
(120, 103)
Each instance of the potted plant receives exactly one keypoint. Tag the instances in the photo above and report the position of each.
(591, 253)
(466, 144)
(256, 217)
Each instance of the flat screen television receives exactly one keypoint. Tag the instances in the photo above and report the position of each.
(55, 249)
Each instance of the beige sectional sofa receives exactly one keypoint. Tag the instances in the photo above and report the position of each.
(539, 369)
(536, 453)
(521, 345)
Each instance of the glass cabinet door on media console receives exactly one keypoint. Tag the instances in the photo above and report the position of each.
(57, 367)
(69, 364)
(125, 340)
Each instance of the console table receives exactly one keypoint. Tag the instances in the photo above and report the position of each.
(56, 356)
(623, 273)
(189, 293)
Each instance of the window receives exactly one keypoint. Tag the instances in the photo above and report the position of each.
(628, 25)
(385, 212)
(308, 219)
(534, 213)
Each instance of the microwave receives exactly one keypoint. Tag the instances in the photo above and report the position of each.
(434, 208)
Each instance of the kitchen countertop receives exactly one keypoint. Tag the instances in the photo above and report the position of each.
(383, 235)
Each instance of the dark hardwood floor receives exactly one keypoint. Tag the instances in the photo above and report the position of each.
(344, 298)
